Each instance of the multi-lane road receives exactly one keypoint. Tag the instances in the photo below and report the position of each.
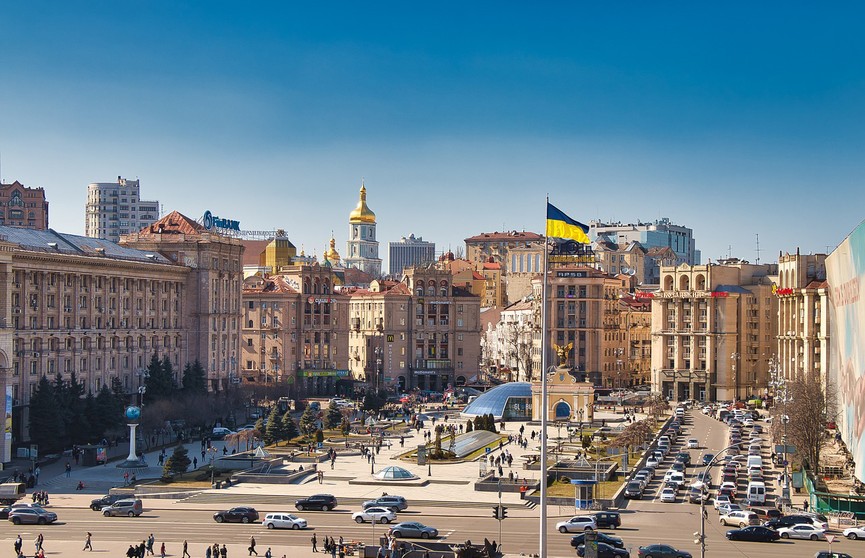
(644, 522)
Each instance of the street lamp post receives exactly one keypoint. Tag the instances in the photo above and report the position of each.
(734, 359)
(701, 536)
(781, 391)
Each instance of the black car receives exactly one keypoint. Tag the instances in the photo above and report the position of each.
(243, 514)
(753, 533)
(324, 502)
(605, 551)
(4, 512)
(577, 540)
(661, 551)
(634, 490)
(608, 520)
(107, 500)
(684, 457)
(707, 458)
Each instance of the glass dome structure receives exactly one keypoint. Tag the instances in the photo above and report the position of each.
(394, 473)
(511, 401)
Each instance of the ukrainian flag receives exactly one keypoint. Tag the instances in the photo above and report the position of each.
(560, 225)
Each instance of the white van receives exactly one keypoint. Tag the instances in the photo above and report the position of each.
(755, 461)
(756, 493)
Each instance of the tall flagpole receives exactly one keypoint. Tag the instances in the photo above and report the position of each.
(544, 350)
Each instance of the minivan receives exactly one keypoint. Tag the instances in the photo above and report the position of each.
(755, 461)
(756, 492)
(129, 508)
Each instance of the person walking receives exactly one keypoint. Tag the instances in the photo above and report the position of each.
(314, 541)
(150, 540)
(18, 544)
(252, 546)
(223, 552)
(207, 552)
(87, 545)
(186, 550)
(268, 553)
(38, 542)
(162, 550)
(68, 469)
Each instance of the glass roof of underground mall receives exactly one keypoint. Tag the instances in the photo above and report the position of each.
(508, 401)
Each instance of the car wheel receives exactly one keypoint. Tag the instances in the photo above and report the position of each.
(424, 535)
(724, 523)
(328, 508)
(41, 521)
(358, 519)
(385, 520)
(397, 534)
(814, 537)
(244, 519)
(16, 520)
(563, 530)
(299, 507)
(219, 519)
(785, 536)
(648, 556)
(742, 525)
(295, 526)
(106, 514)
(852, 536)
(131, 514)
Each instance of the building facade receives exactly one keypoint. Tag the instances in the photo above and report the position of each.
(116, 208)
(23, 207)
(211, 320)
(295, 332)
(362, 245)
(714, 330)
(803, 315)
(409, 252)
(520, 256)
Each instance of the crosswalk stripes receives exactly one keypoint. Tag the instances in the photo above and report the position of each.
(529, 504)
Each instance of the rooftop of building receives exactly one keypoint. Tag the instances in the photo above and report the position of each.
(52, 242)
(506, 235)
(39, 190)
(174, 223)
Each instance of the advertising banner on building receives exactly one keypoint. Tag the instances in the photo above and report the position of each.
(845, 273)
(7, 438)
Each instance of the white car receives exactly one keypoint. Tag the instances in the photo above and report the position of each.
(283, 520)
(802, 531)
(693, 443)
(740, 518)
(652, 462)
(721, 499)
(730, 485)
(725, 509)
(577, 524)
(379, 515)
(854, 533)
(668, 495)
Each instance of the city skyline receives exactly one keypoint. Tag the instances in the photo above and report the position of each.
(619, 117)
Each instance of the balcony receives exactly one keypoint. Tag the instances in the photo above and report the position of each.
(433, 364)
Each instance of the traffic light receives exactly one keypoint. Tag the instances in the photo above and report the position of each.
(496, 512)
(504, 511)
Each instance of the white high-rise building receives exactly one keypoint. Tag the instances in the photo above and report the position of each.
(116, 208)
(409, 252)
(362, 246)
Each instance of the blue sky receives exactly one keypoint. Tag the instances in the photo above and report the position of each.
(734, 120)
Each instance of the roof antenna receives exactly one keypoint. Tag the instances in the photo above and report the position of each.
(758, 249)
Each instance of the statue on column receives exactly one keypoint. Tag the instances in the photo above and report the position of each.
(563, 352)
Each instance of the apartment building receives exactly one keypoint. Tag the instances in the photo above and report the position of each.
(115, 208)
(714, 329)
(409, 252)
(295, 332)
(519, 254)
(23, 207)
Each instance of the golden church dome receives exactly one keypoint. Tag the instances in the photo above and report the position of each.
(332, 254)
(362, 213)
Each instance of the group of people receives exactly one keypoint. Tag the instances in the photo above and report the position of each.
(37, 543)
(40, 497)
(329, 546)
(146, 548)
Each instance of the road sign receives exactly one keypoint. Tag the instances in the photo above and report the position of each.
(779, 449)
(830, 538)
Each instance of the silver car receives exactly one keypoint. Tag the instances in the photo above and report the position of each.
(34, 516)
(413, 529)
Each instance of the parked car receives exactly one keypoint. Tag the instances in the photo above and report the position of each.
(413, 529)
(661, 551)
(608, 520)
(727, 508)
(130, 507)
(376, 514)
(99, 503)
(395, 503)
(219, 433)
(324, 502)
(753, 533)
(827, 554)
(577, 540)
(605, 551)
(791, 520)
(240, 514)
(802, 531)
(33, 515)
(283, 520)
(4, 512)
(576, 524)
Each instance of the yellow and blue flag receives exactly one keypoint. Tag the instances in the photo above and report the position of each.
(560, 225)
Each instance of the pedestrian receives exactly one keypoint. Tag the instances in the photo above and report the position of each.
(150, 540)
(68, 469)
(314, 543)
(268, 553)
(252, 546)
(87, 545)
(805, 505)
(38, 542)
(132, 552)
(195, 463)
(223, 552)
(18, 544)
(162, 550)
(186, 550)
(207, 552)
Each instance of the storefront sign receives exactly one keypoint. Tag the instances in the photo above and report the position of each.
(425, 372)
(323, 373)
(691, 294)
(313, 300)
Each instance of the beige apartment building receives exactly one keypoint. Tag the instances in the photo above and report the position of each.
(520, 255)
(211, 318)
(421, 333)
(803, 315)
(633, 350)
(295, 331)
(714, 330)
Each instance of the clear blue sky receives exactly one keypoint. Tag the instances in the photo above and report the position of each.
(733, 119)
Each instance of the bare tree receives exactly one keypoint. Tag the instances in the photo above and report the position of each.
(810, 407)
(518, 349)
